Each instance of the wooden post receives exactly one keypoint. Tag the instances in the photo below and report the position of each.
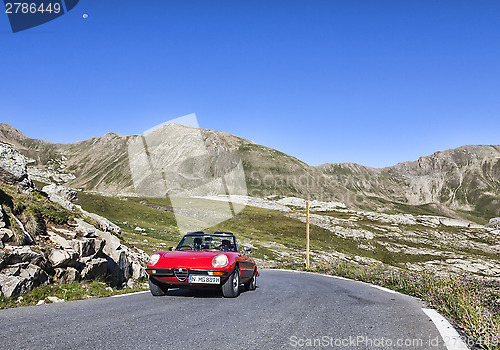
(307, 234)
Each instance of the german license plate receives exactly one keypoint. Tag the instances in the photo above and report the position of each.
(204, 279)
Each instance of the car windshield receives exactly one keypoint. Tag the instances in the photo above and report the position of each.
(208, 242)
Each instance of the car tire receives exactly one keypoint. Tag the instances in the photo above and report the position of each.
(252, 284)
(231, 288)
(157, 289)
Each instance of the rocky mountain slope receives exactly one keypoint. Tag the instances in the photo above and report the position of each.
(44, 237)
(457, 182)
(102, 163)
(461, 183)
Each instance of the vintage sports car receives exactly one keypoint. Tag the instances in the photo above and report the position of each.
(203, 261)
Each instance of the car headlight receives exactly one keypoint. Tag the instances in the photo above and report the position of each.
(153, 259)
(220, 260)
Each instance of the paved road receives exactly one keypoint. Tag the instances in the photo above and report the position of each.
(287, 311)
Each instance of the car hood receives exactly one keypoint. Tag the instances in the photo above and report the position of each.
(189, 259)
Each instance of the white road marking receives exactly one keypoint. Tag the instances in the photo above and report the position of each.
(385, 289)
(451, 338)
(128, 294)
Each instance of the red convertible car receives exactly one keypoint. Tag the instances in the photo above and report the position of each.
(203, 261)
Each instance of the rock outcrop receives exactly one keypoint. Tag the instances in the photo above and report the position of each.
(64, 252)
(62, 195)
(13, 170)
(85, 253)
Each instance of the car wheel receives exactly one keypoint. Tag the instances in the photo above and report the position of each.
(231, 288)
(252, 284)
(157, 288)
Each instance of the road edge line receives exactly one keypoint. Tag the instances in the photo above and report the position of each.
(127, 294)
(449, 334)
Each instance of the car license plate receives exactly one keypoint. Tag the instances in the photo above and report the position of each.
(204, 279)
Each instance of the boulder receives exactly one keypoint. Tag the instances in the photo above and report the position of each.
(104, 224)
(23, 281)
(62, 195)
(94, 268)
(138, 271)
(14, 255)
(88, 247)
(13, 286)
(63, 258)
(35, 274)
(13, 168)
(85, 228)
(120, 258)
(67, 275)
(14, 270)
(59, 241)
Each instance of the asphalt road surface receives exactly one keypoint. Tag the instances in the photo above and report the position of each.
(287, 311)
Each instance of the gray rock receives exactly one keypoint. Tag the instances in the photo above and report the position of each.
(49, 176)
(35, 274)
(14, 255)
(14, 270)
(2, 218)
(6, 234)
(67, 275)
(24, 280)
(138, 271)
(88, 246)
(85, 228)
(104, 224)
(59, 242)
(94, 268)
(14, 286)
(55, 300)
(494, 222)
(63, 258)
(62, 195)
(64, 192)
(13, 169)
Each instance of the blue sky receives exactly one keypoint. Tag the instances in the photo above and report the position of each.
(371, 82)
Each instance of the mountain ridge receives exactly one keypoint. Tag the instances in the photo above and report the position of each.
(463, 182)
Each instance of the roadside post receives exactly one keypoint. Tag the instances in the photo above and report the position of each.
(307, 234)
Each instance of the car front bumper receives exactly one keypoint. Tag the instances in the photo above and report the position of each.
(180, 277)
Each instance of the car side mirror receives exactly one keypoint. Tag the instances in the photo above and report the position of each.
(247, 249)
(171, 248)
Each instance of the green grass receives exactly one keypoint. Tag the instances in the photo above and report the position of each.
(34, 211)
(129, 213)
(472, 303)
(68, 292)
(258, 226)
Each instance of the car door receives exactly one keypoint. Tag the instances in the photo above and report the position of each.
(246, 266)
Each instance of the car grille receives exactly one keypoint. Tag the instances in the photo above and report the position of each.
(181, 274)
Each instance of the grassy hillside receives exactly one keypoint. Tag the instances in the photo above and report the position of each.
(416, 242)
(461, 183)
